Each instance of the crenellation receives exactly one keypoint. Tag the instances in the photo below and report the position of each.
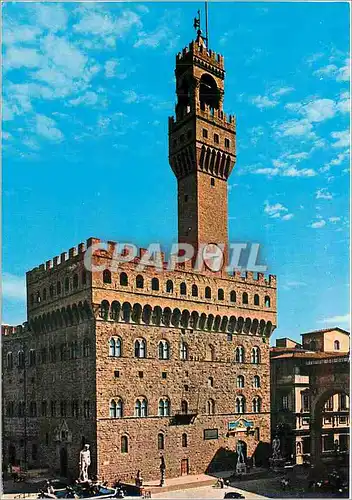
(81, 248)
(48, 265)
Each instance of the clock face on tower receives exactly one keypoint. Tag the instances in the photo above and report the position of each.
(213, 257)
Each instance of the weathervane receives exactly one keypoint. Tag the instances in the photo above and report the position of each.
(196, 23)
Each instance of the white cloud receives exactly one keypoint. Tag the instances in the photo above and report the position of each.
(298, 156)
(334, 219)
(13, 287)
(335, 320)
(318, 224)
(295, 172)
(344, 103)
(110, 67)
(52, 18)
(293, 284)
(262, 102)
(314, 111)
(88, 99)
(341, 158)
(277, 211)
(14, 33)
(46, 127)
(323, 194)
(94, 20)
(16, 57)
(342, 139)
(282, 91)
(341, 73)
(287, 216)
(131, 97)
(296, 128)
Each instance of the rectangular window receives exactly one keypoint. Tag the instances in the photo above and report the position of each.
(329, 405)
(328, 442)
(63, 409)
(305, 402)
(53, 408)
(44, 408)
(306, 445)
(211, 434)
(163, 375)
(216, 138)
(140, 374)
(343, 402)
(205, 133)
(284, 402)
(227, 143)
(116, 374)
(86, 409)
(32, 358)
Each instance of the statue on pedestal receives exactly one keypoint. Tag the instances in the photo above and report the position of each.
(241, 465)
(276, 448)
(84, 463)
(162, 470)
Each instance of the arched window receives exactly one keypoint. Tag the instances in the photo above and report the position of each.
(155, 284)
(140, 348)
(86, 348)
(184, 440)
(240, 381)
(194, 291)
(239, 354)
(233, 296)
(75, 281)
(115, 347)
(104, 309)
(84, 277)
(256, 381)
(124, 444)
(245, 298)
(58, 287)
(210, 353)
(139, 281)
(141, 408)
(164, 349)
(210, 407)
(183, 289)
(123, 279)
(220, 294)
(256, 355)
(256, 299)
(9, 361)
(67, 284)
(267, 301)
(106, 276)
(210, 382)
(164, 407)
(184, 407)
(257, 403)
(184, 351)
(336, 345)
(207, 292)
(169, 286)
(161, 441)
(51, 291)
(240, 404)
(20, 359)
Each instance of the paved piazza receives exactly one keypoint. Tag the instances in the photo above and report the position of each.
(204, 492)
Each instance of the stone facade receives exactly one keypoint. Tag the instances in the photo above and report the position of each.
(144, 363)
(294, 382)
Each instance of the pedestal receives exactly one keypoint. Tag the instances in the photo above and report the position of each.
(240, 468)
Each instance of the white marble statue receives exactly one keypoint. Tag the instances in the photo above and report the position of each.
(276, 448)
(84, 463)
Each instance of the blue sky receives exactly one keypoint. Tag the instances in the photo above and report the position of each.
(87, 91)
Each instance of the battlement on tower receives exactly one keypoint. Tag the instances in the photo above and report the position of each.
(199, 50)
(8, 330)
(217, 116)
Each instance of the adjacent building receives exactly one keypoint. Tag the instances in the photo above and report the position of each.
(141, 363)
(292, 368)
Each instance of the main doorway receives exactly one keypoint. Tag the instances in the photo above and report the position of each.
(63, 462)
(184, 467)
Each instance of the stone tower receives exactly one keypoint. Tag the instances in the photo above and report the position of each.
(201, 146)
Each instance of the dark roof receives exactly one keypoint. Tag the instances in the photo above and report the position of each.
(326, 330)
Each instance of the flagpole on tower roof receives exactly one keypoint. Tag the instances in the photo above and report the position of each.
(206, 23)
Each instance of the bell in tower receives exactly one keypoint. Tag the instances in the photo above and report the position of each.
(201, 146)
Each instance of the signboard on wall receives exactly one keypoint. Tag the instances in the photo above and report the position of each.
(211, 434)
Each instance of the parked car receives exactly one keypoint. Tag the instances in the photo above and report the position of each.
(233, 494)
